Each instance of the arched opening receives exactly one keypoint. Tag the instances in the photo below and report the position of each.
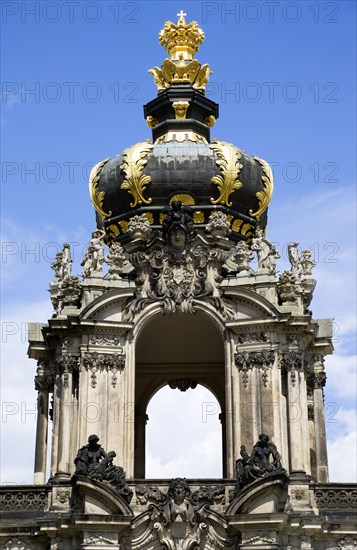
(184, 436)
(179, 351)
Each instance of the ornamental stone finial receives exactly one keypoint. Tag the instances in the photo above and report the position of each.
(116, 260)
(242, 257)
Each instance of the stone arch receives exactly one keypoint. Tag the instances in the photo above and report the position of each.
(176, 349)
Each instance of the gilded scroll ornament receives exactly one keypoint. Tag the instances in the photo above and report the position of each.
(97, 197)
(134, 160)
(264, 196)
(228, 162)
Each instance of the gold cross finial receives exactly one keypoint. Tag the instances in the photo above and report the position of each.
(181, 15)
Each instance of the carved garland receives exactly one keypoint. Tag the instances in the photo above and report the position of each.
(292, 362)
(67, 364)
(245, 361)
(103, 361)
(97, 197)
(134, 160)
(228, 162)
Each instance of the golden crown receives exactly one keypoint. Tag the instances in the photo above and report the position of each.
(181, 40)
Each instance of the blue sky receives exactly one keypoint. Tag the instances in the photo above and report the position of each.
(74, 81)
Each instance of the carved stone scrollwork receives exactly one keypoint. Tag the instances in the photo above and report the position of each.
(178, 268)
(67, 364)
(150, 494)
(104, 340)
(246, 361)
(292, 362)
(100, 538)
(252, 338)
(99, 362)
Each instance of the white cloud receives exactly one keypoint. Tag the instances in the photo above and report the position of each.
(184, 436)
(342, 458)
(342, 376)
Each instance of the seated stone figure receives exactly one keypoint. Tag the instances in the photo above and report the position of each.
(92, 461)
(263, 461)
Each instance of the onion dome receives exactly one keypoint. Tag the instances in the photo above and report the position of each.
(181, 163)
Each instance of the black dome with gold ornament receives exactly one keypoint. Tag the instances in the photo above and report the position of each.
(182, 163)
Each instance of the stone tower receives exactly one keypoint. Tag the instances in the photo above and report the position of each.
(182, 217)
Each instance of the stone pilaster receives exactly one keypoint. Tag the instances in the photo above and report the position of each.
(67, 365)
(291, 363)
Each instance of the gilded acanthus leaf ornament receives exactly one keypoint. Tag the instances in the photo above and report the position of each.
(228, 162)
(134, 160)
(264, 196)
(97, 197)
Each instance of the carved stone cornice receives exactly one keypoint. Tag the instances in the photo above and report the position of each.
(292, 361)
(246, 361)
(110, 362)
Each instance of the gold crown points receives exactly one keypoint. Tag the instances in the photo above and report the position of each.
(181, 38)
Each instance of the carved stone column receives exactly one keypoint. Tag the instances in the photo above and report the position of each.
(319, 420)
(43, 384)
